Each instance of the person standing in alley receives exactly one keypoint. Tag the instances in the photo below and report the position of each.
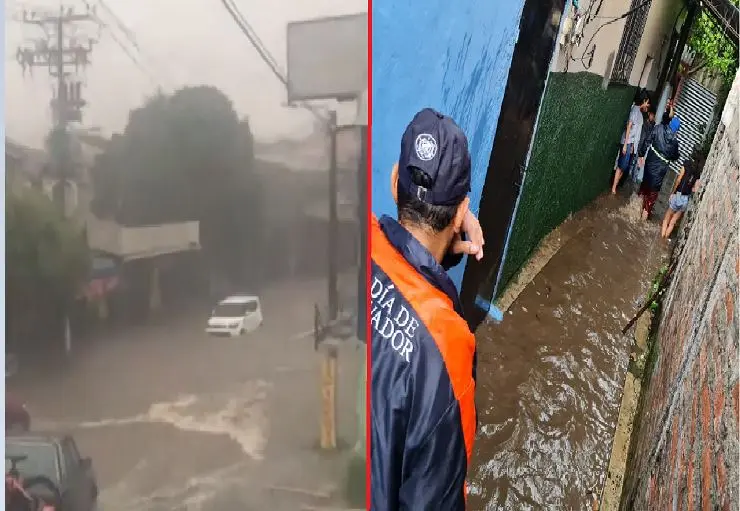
(686, 184)
(648, 126)
(423, 416)
(658, 152)
(630, 138)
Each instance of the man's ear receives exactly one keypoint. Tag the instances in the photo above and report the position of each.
(462, 210)
(394, 182)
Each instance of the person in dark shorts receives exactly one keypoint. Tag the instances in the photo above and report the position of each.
(686, 184)
(630, 138)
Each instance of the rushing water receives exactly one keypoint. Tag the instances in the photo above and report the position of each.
(550, 375)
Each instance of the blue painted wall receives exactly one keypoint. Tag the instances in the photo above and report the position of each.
(451, 56)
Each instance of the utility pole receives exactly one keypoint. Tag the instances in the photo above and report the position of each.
(63, 55)
(333, 291)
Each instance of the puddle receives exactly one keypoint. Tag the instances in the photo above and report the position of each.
(550, 376)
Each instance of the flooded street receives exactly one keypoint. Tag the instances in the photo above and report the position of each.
(550, 376)
(177, 420)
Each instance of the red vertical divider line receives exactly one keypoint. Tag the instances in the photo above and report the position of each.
(368, 216)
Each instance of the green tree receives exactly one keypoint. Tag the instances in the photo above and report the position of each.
(47, 261)
(184, 156)
(712, 47)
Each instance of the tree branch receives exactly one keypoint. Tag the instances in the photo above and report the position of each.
(694, 69)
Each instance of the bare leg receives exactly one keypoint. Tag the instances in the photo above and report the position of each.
(676, 217)
(666, 221)
(617, 176)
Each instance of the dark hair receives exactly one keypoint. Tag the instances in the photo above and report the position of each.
(641, 96)
(417, 212)
(653, 109)
(697, 161)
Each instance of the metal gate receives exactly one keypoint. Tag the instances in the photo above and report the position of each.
(695, 107)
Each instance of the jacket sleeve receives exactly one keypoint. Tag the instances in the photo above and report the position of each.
(644, 144)
(434, 472)
(673, 153)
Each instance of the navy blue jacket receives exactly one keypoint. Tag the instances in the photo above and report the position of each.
(659, 150)
(423, 416)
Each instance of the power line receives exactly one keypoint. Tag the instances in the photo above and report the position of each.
(121, 25)
(247, 30)
(262, 50)
(129, 36)
(613, 20)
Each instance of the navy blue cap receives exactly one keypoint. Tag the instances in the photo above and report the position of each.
(434, 144)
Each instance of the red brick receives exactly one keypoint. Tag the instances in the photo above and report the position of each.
(672, 454)
(729, 305)
(692, 424)
(719, 395)
(706, 479)
(721, 480)
(674, 442)
(706, 465)
(690, 486)
(706, 416)
(714, 319)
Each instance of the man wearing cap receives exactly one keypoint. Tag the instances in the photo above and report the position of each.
(423, 416)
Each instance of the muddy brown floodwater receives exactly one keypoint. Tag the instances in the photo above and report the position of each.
(550, 376)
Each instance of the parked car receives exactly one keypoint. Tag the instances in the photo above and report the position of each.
(17, 417)
(69, 479)
(236, 315)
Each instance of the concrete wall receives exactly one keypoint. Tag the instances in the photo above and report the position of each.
(686, 448)
(141, 242)
(649, 56)
(445, 55)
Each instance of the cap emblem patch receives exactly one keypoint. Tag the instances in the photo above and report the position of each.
(426, 146)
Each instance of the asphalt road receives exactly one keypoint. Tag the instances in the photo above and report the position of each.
(177, 420)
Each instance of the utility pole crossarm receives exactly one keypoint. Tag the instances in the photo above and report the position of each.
(63, 57)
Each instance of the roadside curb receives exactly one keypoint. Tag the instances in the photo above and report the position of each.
(611, 493)
(545, 251)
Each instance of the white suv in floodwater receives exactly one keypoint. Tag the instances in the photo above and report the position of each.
(236, 315)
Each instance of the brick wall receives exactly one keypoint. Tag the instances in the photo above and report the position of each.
(686, 448)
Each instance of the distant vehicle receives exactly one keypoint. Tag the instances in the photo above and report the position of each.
(236, 315)
(52, 470)
(17, 417)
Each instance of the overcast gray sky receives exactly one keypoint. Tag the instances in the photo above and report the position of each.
(182, 42)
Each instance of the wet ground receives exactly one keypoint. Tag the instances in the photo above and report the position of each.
(176, 420)
(550, 376)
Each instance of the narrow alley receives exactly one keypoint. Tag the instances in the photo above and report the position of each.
(551, 374)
